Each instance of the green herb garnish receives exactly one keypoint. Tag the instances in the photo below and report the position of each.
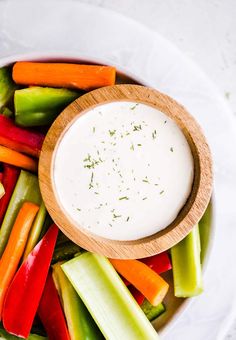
(134, 107)
(112, 132)
(154, 134)
(137, 128)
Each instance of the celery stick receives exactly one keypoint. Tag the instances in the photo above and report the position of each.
(2, 190)
(107, 298)
(205, 231)
(186, 263)
(26, 189)
(35, 230)
(80, 323)
(7, 86)
(152, 312)
(37, 106)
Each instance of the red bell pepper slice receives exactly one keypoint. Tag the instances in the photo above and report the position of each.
(20, 139)
(51, 313)
(26, 289)
(9, 178)
(160, 263)
(139, 297)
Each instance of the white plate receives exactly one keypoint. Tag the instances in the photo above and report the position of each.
(87, 30)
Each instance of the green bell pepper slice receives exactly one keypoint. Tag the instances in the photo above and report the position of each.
(37, 106)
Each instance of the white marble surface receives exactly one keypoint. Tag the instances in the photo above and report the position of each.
(205, 30)
(66, 25)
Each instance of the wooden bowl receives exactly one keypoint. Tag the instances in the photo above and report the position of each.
(190, 214)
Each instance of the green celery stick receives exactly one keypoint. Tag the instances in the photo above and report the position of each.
(152, 312)
(2, 190)
(26, 189)
(35, 230)
(6, 336)
(80, 323)
(107, 298)
(36, 106)
(65, 251)
(205, 231)
(7, 86)
(186, 265)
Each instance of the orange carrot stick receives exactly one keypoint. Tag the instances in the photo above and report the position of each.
(148, 282)
(85, 77)
(18, 159)
(15, 247)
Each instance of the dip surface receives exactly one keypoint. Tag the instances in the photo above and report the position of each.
(123, 170)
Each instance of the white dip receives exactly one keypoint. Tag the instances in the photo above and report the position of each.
(123, 170)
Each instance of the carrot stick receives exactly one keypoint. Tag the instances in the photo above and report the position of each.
(149, 283)
(18, 159)
(85, 77)
(15, 247)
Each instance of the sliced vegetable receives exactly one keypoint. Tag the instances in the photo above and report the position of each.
(20, 139)
(149, 283)
(160, 263)
(26, 189)
(85, 77)
(2, 190)
(205, 231)
(80, 323)
(187, 271)
(107, 298)
(26, 289)
(15, 247)
(36, 106)
(9, 180)
(35, 230)
(51, 314)
(136, 294)
(18, 159)
(65, 251)
(6, 336)
(7, 86)
(152, 312)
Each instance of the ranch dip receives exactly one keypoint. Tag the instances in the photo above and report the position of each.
(123, 170)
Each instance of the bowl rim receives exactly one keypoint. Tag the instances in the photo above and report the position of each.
(65, 55)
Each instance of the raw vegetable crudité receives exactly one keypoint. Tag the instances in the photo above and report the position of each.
(43, 275)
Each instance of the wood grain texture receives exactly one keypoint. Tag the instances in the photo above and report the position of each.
(188, 216)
